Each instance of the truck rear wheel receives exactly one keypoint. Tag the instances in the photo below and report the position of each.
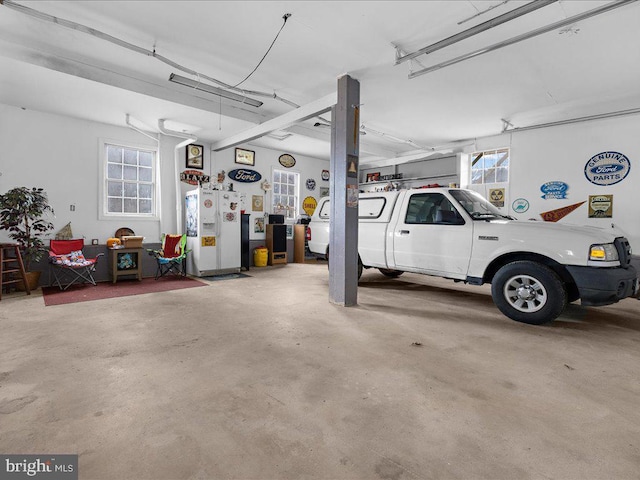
(528, 292)
(390, 273)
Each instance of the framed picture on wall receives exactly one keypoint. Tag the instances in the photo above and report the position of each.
(245, 157)
(373, 177)
(195, 158)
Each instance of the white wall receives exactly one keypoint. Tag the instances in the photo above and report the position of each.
(61, 154)
(560, 154)
(266, 160)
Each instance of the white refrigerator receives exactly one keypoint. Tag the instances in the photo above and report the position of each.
(213, 231)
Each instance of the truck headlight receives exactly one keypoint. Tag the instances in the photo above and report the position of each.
(605, 252)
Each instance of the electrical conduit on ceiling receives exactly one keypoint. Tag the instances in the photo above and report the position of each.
(151, 53)
(188, 139)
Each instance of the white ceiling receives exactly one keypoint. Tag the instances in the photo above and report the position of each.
(593, 67)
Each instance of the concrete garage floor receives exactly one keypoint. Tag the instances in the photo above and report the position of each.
(262, 378)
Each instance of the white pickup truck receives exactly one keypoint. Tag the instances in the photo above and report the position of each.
(534, 267)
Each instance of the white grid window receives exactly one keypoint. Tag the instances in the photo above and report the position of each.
(491, 166)
(286, 186)
(129, 181)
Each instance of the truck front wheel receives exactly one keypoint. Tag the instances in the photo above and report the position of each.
(528, 292)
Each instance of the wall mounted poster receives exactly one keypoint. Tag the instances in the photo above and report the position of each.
(258, 225)
(496, 197)
(600, 206)
(257, 203)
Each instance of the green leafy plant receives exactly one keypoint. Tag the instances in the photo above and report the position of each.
(22, 212)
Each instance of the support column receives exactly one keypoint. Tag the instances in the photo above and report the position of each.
(343, 226)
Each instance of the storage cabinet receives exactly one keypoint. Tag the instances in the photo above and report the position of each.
(299, 242)
(125, 261)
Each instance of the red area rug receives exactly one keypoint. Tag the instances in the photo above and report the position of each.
(123, 288)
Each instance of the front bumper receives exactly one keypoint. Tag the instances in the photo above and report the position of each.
(604, 286)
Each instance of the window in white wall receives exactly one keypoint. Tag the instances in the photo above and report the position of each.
(129, 181)
(491, 166)
(286, 191)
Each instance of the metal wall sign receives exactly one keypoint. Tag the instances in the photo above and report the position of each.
(496, 197)
(244, 175)
(555, 190)
(520, 205)
(193, 177)
(607, 168)
(600, 206)
(309, 205)
(286, 160)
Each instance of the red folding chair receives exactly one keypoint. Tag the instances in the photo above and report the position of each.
(68, 263)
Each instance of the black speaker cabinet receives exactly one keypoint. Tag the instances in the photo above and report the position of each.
(277, 243)
(274, 218)
(245, 250)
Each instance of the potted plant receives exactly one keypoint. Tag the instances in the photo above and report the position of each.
(22, 212)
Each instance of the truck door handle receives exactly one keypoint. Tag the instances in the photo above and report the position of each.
(404, 232)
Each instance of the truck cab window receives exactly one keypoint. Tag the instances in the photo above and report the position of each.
(432, 208)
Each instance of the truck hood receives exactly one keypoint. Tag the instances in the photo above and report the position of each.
(565, 243)
(552, 231)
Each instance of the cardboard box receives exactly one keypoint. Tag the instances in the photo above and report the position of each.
(130, 241)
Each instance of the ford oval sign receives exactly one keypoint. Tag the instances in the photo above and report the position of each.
(607, 168)
(554, 190)
(244, 175)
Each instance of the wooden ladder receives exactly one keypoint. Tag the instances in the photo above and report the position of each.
(10, 265)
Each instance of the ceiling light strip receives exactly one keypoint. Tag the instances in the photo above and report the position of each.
(104, 36)
(494, 22)
(524, 36)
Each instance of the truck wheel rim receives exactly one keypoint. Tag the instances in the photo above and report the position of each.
(525, 293)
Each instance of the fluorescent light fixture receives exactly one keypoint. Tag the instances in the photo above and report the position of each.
(187, 82)
(280, 135)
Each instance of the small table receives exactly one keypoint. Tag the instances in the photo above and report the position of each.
(125, 261)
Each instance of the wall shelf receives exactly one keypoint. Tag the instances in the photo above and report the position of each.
(412, 179)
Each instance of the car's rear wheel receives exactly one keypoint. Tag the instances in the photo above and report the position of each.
(387, 272)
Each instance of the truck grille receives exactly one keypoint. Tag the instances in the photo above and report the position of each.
(624, 250)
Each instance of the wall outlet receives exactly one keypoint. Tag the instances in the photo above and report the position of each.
(94, 241)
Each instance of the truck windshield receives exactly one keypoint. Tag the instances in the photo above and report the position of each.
(477, 207)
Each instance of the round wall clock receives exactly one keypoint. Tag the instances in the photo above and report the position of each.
(287, 160)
